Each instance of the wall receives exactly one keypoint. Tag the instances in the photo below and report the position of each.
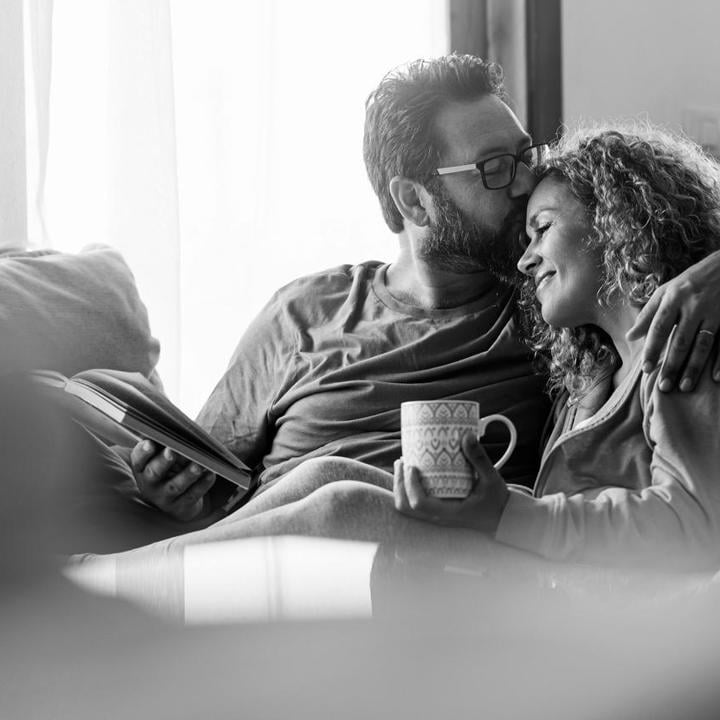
(656, 57)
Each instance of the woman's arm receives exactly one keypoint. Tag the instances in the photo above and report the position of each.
(481, 510)
(672, 524)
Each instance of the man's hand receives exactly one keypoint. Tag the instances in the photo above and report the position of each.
(481, 510)
(169, 481)
(690, 303)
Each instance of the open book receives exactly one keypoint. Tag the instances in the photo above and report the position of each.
(123, 407)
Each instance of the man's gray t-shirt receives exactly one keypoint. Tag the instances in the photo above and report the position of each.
(324, 368)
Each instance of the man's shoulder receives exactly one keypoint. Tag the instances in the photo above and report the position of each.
(330, 281)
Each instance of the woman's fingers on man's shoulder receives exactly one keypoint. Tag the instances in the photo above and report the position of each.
(704, 348)
(690, 348)
(677, 353)
(660, 325)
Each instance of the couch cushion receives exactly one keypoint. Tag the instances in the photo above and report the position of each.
(71, 312)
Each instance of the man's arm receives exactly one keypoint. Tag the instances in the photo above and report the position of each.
(237, 414)
(689, 303)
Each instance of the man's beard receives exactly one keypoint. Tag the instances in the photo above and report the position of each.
(460, 244)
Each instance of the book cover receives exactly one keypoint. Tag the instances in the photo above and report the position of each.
(123, 407)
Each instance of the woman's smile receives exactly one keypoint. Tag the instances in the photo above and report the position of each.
(542, 279)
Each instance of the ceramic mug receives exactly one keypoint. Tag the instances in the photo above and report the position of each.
(431, 436)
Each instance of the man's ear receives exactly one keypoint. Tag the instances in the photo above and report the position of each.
(410, 198)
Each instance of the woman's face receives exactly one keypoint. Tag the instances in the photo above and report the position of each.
(566, 272)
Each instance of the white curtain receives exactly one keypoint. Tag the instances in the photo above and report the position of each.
(217, 144)
(13, 189)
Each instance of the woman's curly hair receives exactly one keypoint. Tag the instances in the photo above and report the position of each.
(653, 203)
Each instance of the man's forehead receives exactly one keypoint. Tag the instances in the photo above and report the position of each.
(468, 130)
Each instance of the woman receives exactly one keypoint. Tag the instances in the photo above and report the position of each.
(629, 475)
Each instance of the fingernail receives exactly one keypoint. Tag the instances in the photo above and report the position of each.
(167, 453)
(147, 446)
(665, 385)
(686, 384)
(716, 376)
(647, 366)
(195, 469)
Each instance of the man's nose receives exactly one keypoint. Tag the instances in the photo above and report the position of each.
(524, 182)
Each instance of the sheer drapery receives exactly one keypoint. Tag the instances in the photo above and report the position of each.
(217, 144)
(13, 191)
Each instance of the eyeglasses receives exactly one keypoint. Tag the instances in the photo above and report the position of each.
(499, 171)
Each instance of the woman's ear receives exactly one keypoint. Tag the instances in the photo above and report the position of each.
(410, 199)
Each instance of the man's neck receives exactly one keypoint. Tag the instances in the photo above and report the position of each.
(417, 282)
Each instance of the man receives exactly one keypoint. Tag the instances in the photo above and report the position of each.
(324, 368)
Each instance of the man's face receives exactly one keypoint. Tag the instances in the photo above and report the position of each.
(473, 228)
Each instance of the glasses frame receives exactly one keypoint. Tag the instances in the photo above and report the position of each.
(480, 165)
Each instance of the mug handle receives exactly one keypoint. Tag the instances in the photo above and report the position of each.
(484, 422)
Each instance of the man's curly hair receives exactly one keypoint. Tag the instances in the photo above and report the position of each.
(653, 202)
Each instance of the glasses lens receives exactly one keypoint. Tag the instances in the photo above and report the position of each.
(534, 156)
(498, 171)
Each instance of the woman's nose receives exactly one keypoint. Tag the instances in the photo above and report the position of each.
(529, 261)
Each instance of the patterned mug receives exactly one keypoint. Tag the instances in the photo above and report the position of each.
(431, 436)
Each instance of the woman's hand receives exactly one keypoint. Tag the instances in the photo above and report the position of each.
(690, 301)
(481, 510)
